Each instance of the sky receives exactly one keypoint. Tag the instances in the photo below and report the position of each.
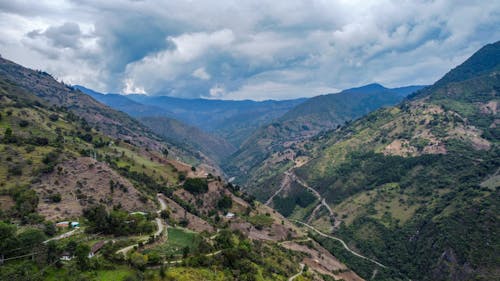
(244, 49)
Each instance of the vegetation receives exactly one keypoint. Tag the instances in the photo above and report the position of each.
(196, 185)
(117, 222)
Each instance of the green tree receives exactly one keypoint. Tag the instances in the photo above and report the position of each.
(7, 236)
(139, 260)
(82, 256)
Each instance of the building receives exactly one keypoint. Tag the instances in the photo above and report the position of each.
(66, 256)
(230, 215)
(75, 224)
(63, 224)
(96, 247)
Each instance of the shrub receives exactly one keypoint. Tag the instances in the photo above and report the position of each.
(196, 185)
(23, 123)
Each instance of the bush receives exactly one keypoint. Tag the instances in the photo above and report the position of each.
(196, 185)
(23, 123)
(53, 117)
(225, 203)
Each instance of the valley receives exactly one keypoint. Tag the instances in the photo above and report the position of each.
(369, 183)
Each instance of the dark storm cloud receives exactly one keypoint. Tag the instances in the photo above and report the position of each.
(245, 49)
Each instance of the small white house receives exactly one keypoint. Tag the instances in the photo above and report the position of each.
(75, 224)
(230, 215)
(66, 256)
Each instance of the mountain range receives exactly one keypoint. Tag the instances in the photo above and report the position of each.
(371, 183)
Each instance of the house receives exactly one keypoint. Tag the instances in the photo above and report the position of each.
(63, 224)
(139, 213)
(230, 215)
(75, 224)
(66, 256)
(96, 247)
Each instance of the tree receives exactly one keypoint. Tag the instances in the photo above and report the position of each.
(49, 228)
(196, 185)
(7, 136)
(82, 256)
(225, 203)
(31, 237)
(7, 236)
(52, 252)
(138, 260)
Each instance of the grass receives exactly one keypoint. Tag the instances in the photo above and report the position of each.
(119, 273)
(261, 220)
(188, 274)
(178, 239)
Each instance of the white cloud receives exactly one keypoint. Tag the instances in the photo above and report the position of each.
(245, 49)
(130, 88)
(201, 73)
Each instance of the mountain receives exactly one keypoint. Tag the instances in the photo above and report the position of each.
(141, 214)
(270, 148)
(416, 186)
(188, 136)
(231, 120)
(182, 135)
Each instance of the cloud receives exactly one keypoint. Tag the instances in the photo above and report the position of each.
(65, 36)
(201, 73)
(245, 49)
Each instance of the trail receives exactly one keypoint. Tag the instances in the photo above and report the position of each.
(179, 261)
(64, 235)
(322, 200)
(341, 241)
(313, 213)
(298, 274)
(284, 182)
(159, 222)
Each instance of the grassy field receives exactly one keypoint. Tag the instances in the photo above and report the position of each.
(119, 273)
(178, 239)
(261, 220)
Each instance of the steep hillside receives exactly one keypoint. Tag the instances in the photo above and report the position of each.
(142, 216)
(184, 135)
(46, 165)
(415, 187)
(232, 120)
(272, 148)
(173, 131)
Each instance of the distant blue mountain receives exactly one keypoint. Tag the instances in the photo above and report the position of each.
(230, 119)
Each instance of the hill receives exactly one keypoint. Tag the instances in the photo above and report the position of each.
(270, 148)
(416, 186)
(182, 135)
(142, 215)
(231, 120)
(190, 137)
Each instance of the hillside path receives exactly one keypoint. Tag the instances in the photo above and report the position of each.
(298, 274)
(304, 184)
(159, 222)
(286, 181)
(341, 241)
(64, 235)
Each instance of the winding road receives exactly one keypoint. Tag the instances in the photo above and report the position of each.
(340, 240)
(159, 222)
(284, 182)
(298, 274)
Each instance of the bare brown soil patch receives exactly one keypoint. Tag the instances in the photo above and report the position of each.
(84, 181)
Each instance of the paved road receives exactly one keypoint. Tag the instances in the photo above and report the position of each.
(341, 241)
